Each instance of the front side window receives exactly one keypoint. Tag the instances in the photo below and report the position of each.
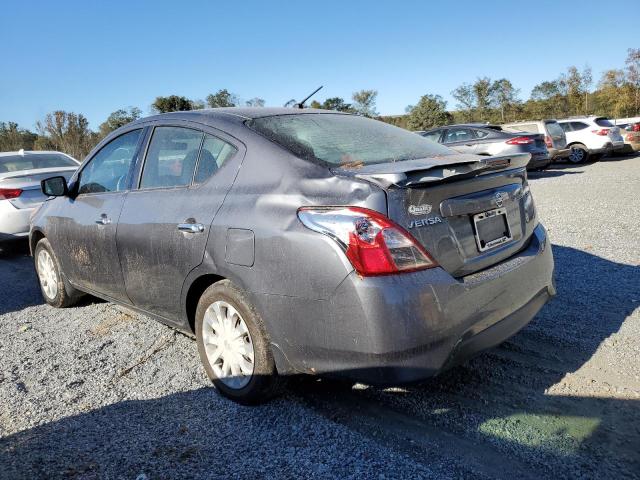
(108, 170)
(171, 157)
(214, 154)
(345, 140)
(575, 126)
(554, 129)
(565, 127)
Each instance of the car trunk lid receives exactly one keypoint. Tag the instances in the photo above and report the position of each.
(456, 207)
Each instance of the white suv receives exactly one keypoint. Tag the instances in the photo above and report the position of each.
(591, 137)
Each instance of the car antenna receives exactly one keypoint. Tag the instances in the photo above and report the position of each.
(301, 104)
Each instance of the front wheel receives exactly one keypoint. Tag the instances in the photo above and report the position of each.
(233, 345)
(54, 289)
(579, 153)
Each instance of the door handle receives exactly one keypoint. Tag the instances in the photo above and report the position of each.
(191, 227)
(104, 220)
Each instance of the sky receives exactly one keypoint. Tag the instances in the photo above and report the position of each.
(95, 57)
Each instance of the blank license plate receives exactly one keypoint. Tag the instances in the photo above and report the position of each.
(492, 228)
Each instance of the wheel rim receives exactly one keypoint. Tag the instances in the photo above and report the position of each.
(228, 345)
(47, 274)
(577, 155)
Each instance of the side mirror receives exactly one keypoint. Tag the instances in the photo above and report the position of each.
(54, 186)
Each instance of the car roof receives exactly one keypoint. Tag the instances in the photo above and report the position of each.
(243, 113)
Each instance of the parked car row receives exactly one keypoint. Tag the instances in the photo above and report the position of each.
(576, 139)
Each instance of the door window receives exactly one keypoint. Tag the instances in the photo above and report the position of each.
(458, 135)
(108, 170)
(171, 157)
(575, 126)
(480, 134)
(433, 136)
(214, 154)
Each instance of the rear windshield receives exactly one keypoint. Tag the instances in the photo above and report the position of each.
(603, 122)
(16, 163)
(554, 129)
(346, 140)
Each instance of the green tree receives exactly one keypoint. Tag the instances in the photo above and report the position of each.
(505, 96)
(465, 97)
(483, 92)
(14, 138)
(364, 102)
(67, 132)
(172, 103)
(633, 75)
(431, 111)
(222, 98)
(118, 119)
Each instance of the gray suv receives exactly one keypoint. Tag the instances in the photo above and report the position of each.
(483, 139)
(299, 242)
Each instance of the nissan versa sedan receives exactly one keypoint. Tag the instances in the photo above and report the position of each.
(20, 193)
(484, 139)
(295, 241)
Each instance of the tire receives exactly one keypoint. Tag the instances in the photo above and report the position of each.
(248, 374)
(55, 291)
(579, 154)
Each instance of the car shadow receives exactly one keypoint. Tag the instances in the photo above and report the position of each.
(496, 416)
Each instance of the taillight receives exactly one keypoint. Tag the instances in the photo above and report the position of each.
(520, 141)
(630, 137)
(603, 132)
(547, 141)
(636, 127)
(372, 242)
(9, 193)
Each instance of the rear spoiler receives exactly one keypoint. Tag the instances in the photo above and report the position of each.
(413, 172)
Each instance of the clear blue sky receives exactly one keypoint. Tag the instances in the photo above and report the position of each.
(96, 57)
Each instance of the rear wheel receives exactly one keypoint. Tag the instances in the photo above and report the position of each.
(54, 289)
(579, 153)
(233, 345)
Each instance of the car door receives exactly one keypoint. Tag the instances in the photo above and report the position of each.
(86, 223)
(164, 224)
(461, 139)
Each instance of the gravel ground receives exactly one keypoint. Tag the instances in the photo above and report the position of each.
(92, 392)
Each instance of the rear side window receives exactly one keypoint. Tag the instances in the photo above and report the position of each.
(603, 122)
(171, 157)
(575, 126)
(481, 134)
(433, 136)
(108, 170)
(214, 154)
(16, 163)
(344, 140)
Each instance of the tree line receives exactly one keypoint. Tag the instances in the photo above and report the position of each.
(616, 94)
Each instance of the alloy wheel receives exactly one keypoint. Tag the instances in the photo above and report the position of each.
(47, 274)
(577, 155)
(228, 345)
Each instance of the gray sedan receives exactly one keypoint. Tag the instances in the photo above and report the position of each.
(20, 193)
(299, 242)
(482, 139)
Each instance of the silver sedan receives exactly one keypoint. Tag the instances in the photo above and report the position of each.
(20, 193)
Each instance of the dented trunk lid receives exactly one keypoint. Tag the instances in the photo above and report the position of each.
(454, 205)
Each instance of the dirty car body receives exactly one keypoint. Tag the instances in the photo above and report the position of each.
(384, 264)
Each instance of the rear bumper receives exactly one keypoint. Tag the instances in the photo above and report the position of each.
(14, 222)
(539, 161)
(404, 328)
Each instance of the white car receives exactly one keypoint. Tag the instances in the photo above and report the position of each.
(591, 137)
(20, 193)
